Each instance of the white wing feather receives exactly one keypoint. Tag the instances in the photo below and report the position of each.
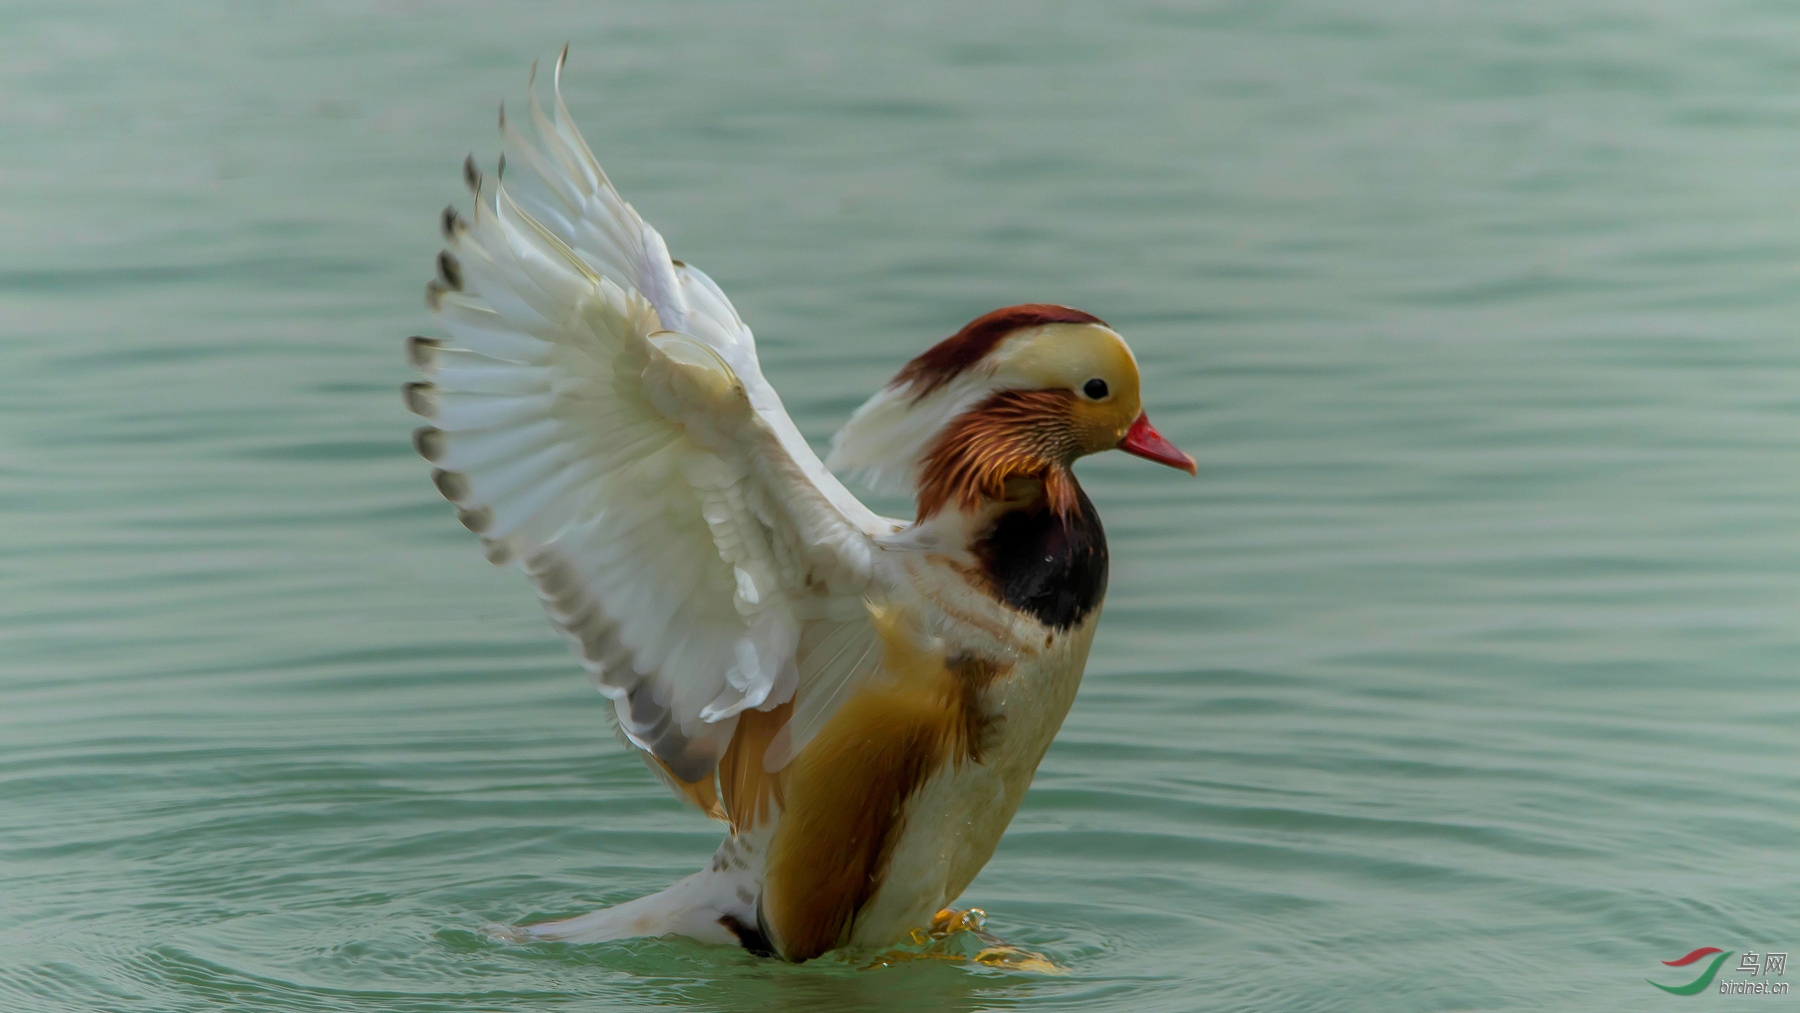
(599, 416)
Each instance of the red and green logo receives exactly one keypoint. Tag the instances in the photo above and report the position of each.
(1699, 984)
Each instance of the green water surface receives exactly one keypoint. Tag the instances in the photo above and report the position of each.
(1462, 678)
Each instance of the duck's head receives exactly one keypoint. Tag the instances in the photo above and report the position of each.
(1001, 409)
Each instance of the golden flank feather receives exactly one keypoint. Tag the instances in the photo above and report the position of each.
(846, 793)
(750, 793)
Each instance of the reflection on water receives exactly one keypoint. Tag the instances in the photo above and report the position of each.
(1459, 679)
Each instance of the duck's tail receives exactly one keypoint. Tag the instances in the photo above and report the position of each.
(718, 905)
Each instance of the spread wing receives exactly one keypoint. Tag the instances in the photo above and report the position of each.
(598, 416)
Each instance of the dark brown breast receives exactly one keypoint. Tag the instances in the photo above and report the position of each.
(1047, 565)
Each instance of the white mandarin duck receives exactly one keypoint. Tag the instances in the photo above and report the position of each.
(863, 701)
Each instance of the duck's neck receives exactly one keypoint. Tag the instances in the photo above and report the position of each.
(1032, 553)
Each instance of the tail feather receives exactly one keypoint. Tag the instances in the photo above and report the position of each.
(707, 906)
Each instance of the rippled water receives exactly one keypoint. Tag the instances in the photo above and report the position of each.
(1461, 679)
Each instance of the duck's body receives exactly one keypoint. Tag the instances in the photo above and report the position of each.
(862, 700)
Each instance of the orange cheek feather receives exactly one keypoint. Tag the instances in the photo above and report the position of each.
(1013, 434)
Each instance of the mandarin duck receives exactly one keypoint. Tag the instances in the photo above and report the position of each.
(862, 701)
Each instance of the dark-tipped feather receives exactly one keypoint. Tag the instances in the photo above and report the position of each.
(421, 399)
(453, 485)
(449, 271)
(420, 351)
(429, 442)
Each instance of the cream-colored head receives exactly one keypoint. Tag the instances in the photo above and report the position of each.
(1018, 392)
(1091, 363)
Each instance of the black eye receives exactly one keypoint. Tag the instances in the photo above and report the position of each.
(1095, 388)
